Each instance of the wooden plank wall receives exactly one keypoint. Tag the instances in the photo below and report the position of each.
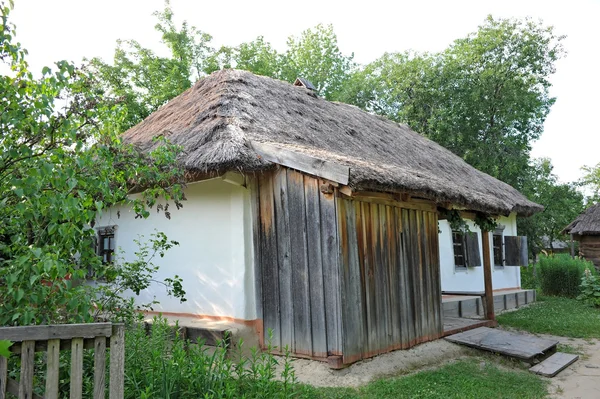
(299, 264)
(589, 247)
(391, 292)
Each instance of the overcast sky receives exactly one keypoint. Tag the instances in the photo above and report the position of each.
(73, 29)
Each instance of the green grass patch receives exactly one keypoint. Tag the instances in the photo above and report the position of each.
(470, 378)
(557, 316)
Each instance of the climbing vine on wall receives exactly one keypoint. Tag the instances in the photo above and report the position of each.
(485, 222)
(456, 222)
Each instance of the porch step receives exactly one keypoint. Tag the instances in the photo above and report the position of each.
(554, 364)
(520, 346)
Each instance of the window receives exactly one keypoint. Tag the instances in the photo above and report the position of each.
(106, 244)
(458, 244)
(497, 244)
(466, 249)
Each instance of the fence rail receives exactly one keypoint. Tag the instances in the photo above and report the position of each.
(53, 339)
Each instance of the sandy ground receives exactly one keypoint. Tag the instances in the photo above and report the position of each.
(582, 378)
(393, 363)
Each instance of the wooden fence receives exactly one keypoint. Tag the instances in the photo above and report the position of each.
(55, 338)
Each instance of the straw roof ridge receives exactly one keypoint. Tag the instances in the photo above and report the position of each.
(587, 223)
(218, 118)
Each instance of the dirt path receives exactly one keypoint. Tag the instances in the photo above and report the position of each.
(582, 378)
(393, 363)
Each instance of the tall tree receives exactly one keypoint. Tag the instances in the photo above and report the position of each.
(315, 55)
(591, 180)
(143, 81)
(259, 57)
(562, 203)
(61, 164)
(485, 97)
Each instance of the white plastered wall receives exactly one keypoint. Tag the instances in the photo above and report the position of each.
(471, 279)
(215, 253)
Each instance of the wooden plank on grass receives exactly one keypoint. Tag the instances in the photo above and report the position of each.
(554, 364)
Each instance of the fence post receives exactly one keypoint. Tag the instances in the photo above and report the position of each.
(117, 362)
(3, 376)
(52, 370)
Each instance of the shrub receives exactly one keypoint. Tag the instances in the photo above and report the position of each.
(529, 280)
(590, 289)
(560, 275)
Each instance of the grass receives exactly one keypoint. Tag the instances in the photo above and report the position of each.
(469, 378)
(557, 316)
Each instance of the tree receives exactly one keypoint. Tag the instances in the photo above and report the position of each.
(61, 164)
(591, 179)
(258, 57)
(485, 98)
(143, 81)
(562, 203)
(315, 56)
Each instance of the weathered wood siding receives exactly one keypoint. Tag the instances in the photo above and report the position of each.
(589, 247)
(299, 264)
(391, 292)
(341, 276)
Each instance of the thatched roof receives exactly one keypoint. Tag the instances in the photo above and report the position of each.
(588, 223)
(217, 119)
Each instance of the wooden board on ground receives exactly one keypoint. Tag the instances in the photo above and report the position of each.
(521, 346)
(454, 325)
(554, 364)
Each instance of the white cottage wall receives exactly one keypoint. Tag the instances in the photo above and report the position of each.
(215, 253)
(471, 279)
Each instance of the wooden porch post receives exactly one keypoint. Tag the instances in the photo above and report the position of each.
(487, 276)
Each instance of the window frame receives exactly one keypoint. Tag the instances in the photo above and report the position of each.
(498, 234)
(460, 237)
(102, 234)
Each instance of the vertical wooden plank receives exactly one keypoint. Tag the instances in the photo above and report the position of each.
(401, 284)
(427, 269)
(52, 369)
(315, 267)
(27, 365)
(116, 388)
(369, 216)
(353, 339)
(299, 262)
(487, 277)
(392, 277)
(283, 257)
(408, 279)
(99, 367)
(269, 267)
(253, 185)
(331, 266)
(76, 368)
(3, 376)
(435, 275)
(382, 282)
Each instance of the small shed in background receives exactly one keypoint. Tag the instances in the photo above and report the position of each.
(586, 230)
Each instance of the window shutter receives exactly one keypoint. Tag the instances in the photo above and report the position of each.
(472, 249)
(515, 251)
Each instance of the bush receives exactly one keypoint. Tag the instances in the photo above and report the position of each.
(590, 289)
(560, 275)
(529, 280)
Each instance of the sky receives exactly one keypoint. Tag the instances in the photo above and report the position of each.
(73, 29)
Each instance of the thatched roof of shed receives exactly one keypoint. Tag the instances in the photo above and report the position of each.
(218, 117)
(588, 223)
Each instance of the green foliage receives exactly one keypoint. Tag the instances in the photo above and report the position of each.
(470, 378)
(562, 203)
(485, 97)
(455, 220)
(61, 164)
(4, 347)
(564, 317)
(485, 222)
(560, 275)
(591, 179)
(315, 56)
(590, 289)
(529, 278)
